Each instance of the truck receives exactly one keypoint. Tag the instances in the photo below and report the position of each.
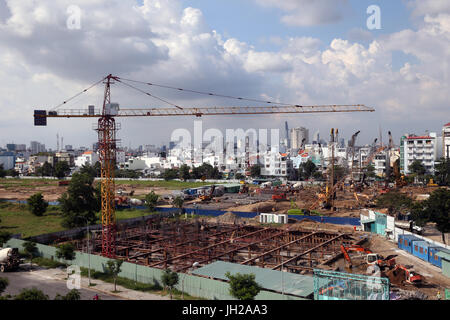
(9, 259)
(409, 225)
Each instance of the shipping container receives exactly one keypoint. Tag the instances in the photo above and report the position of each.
(405, 242)
(433, 258)
(420, 249)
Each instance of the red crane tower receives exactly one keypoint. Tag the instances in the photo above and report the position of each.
(107, 128)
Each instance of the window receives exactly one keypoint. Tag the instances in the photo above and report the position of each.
(421, 250)
(415, 248)
(436, 257)
(406, 242)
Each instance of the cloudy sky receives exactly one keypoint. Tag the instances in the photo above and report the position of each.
(294, 51)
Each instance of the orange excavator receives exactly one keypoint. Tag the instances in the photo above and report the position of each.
(410, 276)
(371, 258)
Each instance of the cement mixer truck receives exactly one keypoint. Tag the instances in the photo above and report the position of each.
(9, 259)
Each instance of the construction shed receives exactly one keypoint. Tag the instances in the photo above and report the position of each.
(420, 249)
(232, 187)
(433, 258)
(445, 259)
(405, 242)
(287, 283)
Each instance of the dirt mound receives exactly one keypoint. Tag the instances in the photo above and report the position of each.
(228, 217)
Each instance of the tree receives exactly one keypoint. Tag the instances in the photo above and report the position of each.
(37, 205)
(62, 169)
(31, 294)
(151, 200)
(306, 170)
(417, 168)
(92, 171)
(370, 171)
(255, 171)
(339, 172)
(184, 172)
(46, 170)
(442, 172)
(2, 171)
(436, 209)
(170, 174)
(72, 295)
(66, 251)
(395, 202)
(4, 237)
(243, 286)
(30, 250)
(3, 284)
(12, 173)
(178, 202)
(113, 268)
(81, 202)
(169, 280)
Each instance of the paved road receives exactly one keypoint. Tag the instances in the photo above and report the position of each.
(50, 286)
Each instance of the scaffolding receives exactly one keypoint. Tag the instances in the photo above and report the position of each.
(332, 285)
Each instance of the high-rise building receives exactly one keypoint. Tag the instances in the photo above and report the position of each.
(316, 137)
(36, 147)
(446, 141)
(297, 136)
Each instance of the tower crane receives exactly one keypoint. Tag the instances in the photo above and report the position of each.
(107, 127)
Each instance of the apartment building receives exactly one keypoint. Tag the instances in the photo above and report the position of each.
(446, 141)
(422, 148)
(277, 164)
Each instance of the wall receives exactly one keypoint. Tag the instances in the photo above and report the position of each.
(193, 285)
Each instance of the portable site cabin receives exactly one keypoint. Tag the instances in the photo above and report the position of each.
(405, 242)
(433, 256)
(445, 256)
(420, 249)
(273, 218)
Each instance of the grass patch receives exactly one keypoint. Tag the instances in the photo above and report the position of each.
(154, 287)
(17, 219)
(48, 263)
(171, 184)
(26, 183)
(131, 213)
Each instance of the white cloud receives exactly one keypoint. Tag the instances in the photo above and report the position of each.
(307, 12)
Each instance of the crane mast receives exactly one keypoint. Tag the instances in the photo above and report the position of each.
(107, 128)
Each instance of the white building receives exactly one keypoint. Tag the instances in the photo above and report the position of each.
(277, 164)
(7, 159)
(446, 141)
(297, 136)
(88, 157)
(422, 148)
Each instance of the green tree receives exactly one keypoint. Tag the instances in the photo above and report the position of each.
(178, 202)
(417, 168)
(151, 201)
(72, 295)
(306, 170)
(127, 173)
(12, 173)
(206, 171)
(255, 171)
(395, 202)
(184, 172)
(243, 286)
(92, 171)
(442, 172)
(62, 169)
(169, 280)
(81, 202)
(4, 237)
(436, 209)
(170, 174)
(2, 171)
(30, 249)
(113, 268)
(370, 171)
(37, 205)
(66, 251)
(31, 294)
(339, 172)
(46, 170)
(3, 284)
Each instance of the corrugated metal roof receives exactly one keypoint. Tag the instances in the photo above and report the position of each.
(296, 284)
(444, 253)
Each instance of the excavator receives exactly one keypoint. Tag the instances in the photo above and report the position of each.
(208, 197)
(370, 258)
(410, 276)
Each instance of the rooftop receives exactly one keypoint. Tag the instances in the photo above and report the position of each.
(295, 284)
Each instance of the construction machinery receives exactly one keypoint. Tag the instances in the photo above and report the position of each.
(409, 276)
(370, 257)
(107, 128)
(279, 196)
(243, 189)
(431, 183)
(209, 196)
(9, 259)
